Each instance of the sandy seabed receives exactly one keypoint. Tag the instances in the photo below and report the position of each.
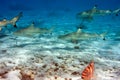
(52, 59)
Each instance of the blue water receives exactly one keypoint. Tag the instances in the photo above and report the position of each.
(62, 15)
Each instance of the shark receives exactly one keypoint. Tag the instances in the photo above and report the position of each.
(5, 22)
(31, 30)
(79, 35)
(88, 14)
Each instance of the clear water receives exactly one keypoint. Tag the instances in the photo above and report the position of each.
(25, 51)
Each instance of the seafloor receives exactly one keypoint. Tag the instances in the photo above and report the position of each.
(45, 57)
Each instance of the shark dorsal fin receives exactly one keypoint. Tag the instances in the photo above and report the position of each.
(32, 25)
(79, 30)
(94, 8)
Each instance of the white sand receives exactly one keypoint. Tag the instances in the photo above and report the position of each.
(49, 53)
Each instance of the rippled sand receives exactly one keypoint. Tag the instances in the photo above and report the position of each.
(52, 59)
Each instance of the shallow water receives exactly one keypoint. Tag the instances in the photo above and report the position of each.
(41, 53)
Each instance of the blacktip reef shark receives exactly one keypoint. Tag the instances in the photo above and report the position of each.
(80, 35)
(88, 14)
(13, 21)
(31, 30)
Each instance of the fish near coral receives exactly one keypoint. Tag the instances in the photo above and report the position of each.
(88, 72)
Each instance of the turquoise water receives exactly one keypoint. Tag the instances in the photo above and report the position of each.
(56, 18)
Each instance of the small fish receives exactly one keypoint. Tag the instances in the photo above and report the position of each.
(88, 72)
(13, 21)
(31, 30)
(80, 35)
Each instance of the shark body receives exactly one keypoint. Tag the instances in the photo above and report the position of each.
(31, 30)
(80, 35)
(88, 14)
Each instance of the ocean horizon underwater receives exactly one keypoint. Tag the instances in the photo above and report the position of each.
(58, 39)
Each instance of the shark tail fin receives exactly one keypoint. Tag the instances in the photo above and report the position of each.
(20, 14)
(103, 35)
(15, 19)
(14, 24)
(116, 12)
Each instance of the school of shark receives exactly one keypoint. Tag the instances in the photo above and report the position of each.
(87, 15)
